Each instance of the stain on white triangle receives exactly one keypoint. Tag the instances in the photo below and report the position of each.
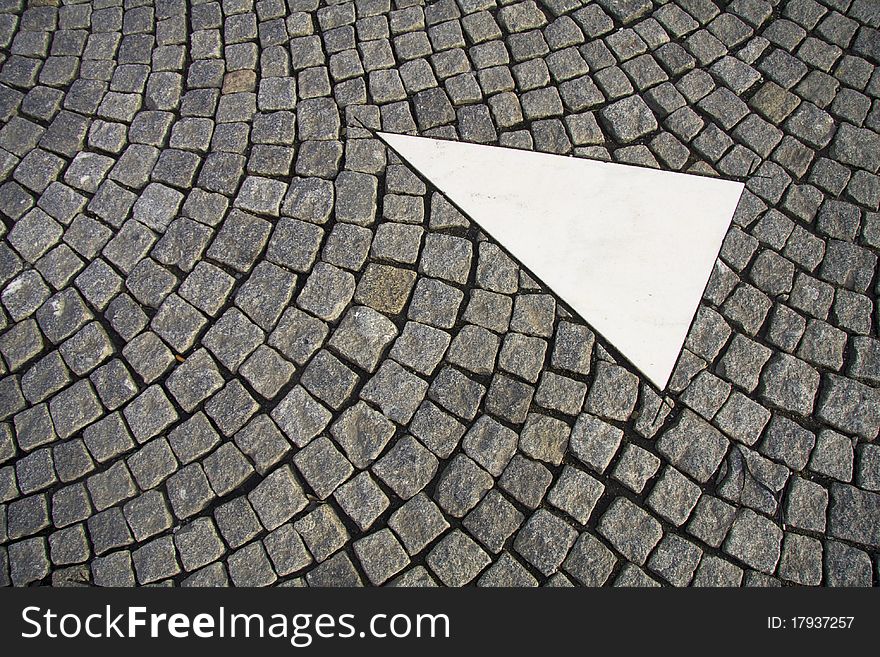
(630, 249)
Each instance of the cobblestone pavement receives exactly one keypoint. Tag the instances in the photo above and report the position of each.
(242, 343)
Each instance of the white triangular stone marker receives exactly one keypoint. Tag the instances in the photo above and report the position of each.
(628, 248)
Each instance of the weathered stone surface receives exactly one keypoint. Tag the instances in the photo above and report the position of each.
(755, 540)
(854, 515)
(243, 343)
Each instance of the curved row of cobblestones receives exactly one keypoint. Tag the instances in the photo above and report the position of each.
(243, 344)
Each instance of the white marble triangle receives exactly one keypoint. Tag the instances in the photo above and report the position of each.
(630, 249)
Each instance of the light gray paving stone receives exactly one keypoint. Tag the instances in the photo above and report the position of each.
(576, 493)
(845, 565)
(849, 406)
(755, 540)
(362, 500)
(322, 532)
(852, 515)
(300, 416)
(675, 560)
(673, 496)
(362, 336)
(630, 529)
(694, 446)
(635, 467)
(457, 559)
(407, 467)
(613, 394)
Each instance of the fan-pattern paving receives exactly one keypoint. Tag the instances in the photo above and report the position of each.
(243, 344)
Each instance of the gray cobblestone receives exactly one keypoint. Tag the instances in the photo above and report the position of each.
(132, 293)
(755, 540)
(362, 500)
